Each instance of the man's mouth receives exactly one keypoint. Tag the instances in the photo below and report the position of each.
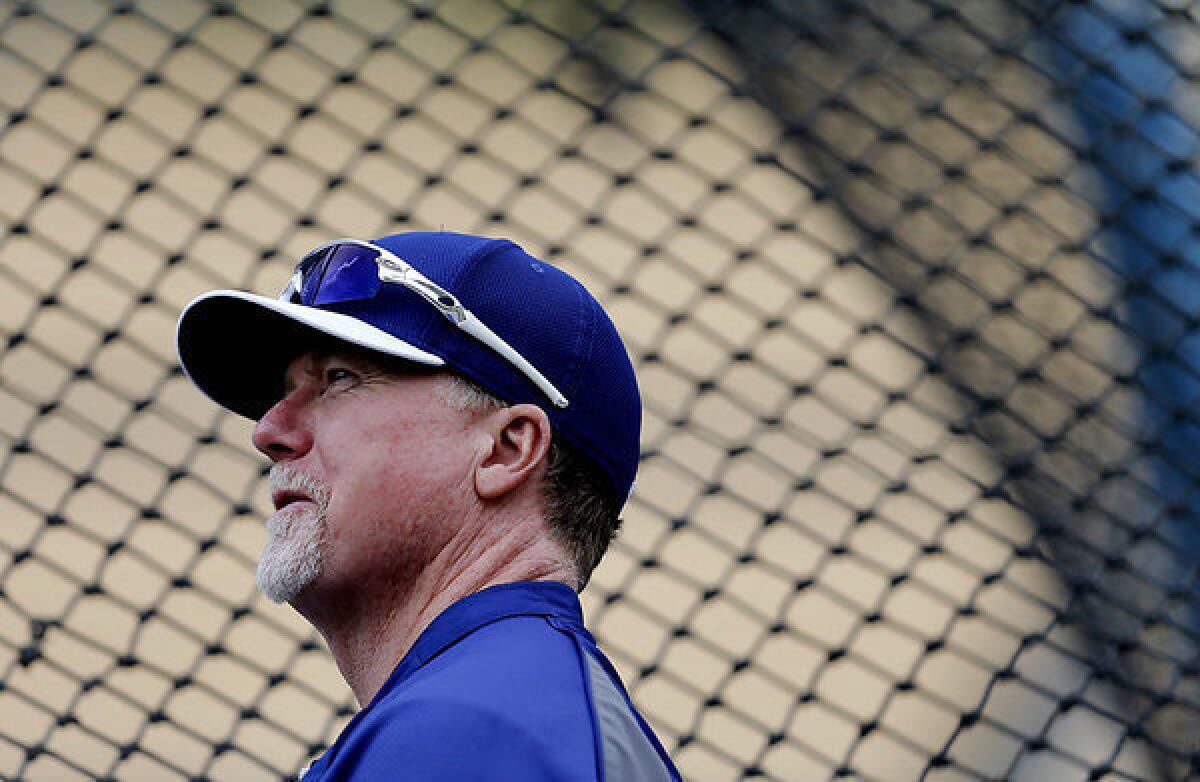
(285, 498)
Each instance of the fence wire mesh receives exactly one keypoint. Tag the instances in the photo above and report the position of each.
(912, 289)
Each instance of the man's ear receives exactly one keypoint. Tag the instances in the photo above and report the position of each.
(518, 441)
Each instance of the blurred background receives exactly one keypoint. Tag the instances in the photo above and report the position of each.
(912, 288)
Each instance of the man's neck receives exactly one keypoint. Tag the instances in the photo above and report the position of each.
(371, 631)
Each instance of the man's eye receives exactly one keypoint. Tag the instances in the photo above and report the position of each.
(334, 374)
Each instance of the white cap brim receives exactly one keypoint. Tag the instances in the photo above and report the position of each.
(235, 346)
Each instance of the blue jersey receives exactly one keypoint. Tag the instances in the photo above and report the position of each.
(505, 684)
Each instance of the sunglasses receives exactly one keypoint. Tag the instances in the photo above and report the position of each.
(351, 269)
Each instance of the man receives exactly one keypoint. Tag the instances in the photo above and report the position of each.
(454, 428)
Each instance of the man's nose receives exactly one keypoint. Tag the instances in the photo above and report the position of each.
(283, 433)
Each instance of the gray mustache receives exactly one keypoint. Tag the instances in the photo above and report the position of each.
(286, 479)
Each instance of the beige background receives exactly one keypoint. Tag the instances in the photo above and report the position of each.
(158, 640)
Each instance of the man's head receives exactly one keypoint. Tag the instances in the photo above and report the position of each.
(377, 475)
(448, 334)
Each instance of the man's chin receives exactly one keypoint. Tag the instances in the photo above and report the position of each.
(294, 553)
(286, 568)
(283, 587)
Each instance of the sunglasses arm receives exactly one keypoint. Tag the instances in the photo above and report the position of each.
(476, 328)
(445, 302)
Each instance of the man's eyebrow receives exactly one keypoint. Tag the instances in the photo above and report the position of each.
(363, 363)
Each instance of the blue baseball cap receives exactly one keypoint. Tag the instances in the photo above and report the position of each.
(478, 307)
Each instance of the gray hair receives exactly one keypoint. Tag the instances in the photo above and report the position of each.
(580, 507)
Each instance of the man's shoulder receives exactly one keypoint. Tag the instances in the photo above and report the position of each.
(523, 697)
(439, 737)
(480, 707)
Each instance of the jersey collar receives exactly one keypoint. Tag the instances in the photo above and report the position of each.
(521, 598)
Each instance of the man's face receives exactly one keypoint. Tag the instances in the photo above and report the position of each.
(369, 469)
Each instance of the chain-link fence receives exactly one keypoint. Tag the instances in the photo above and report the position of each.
(912, 290)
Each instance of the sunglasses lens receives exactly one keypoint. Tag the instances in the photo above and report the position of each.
(343, 272)
(312, 269)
